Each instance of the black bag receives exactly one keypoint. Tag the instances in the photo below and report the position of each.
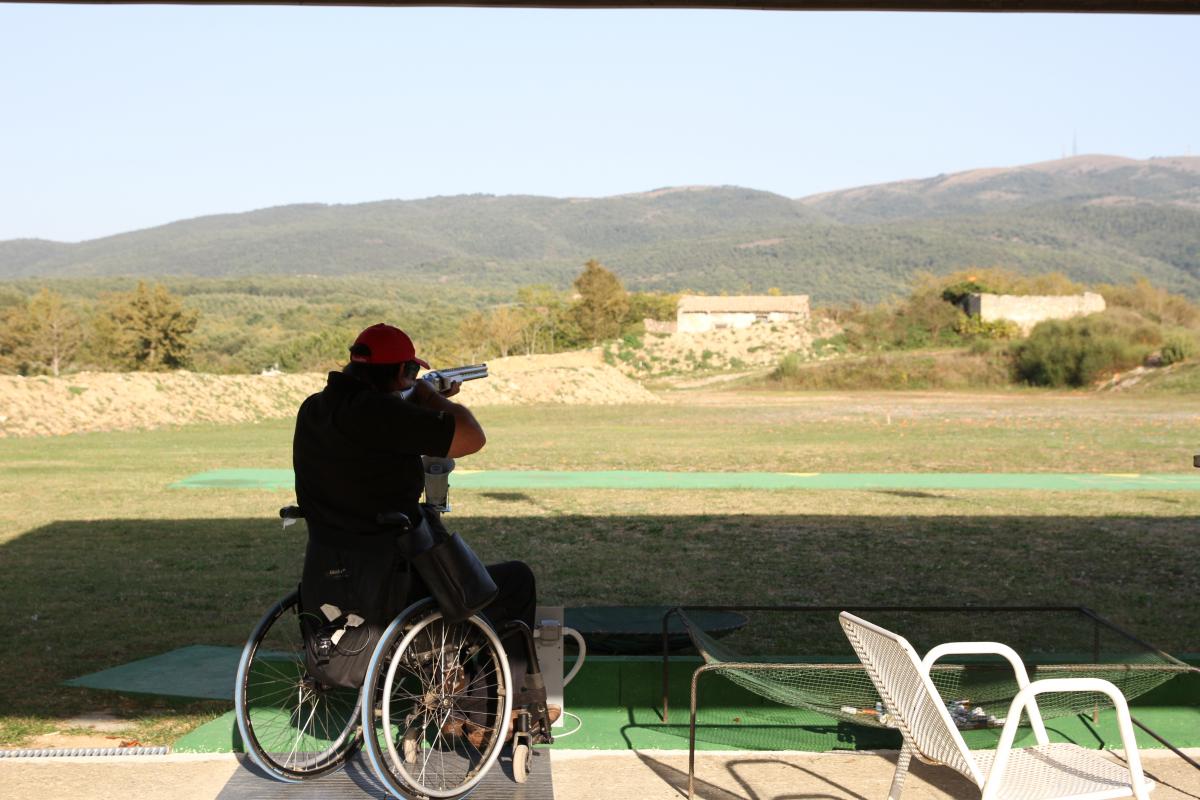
(348, 596)
(453, 573)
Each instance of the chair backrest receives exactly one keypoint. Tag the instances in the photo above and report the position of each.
(909, 695)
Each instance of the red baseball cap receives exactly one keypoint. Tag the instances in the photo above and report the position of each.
(384, 344)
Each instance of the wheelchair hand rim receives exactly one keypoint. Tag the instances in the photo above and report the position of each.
(374, 753)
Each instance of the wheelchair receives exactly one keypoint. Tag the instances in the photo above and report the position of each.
(432, 715)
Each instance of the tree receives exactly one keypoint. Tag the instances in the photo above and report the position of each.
(149, 329)
(651, 305)
(42, 335)
(504, 327)
(473, 337)
(603, 302)
(545, 309)
(323, 350)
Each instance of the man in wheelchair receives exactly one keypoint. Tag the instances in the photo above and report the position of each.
(357, 458)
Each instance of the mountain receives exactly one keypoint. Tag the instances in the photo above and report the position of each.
(1081, 180)
(1096, 218)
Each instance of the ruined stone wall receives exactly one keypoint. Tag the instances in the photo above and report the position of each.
(701, 321)
(1028, 310)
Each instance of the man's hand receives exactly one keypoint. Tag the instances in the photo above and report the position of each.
(424, 393)
(468, 435)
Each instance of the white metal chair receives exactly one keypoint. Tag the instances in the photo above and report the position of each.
(1044, 771)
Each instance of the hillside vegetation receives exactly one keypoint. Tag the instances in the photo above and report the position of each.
(1094, 218)
(926, 341)
(299, 324)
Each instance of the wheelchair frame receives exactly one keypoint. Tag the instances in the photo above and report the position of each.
(333, 723)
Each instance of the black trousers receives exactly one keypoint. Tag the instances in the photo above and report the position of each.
(516, 600)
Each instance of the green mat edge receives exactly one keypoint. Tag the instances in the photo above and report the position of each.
(283, 479)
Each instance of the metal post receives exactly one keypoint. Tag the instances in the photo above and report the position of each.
(666, 670)
(1166, 744)
(692, 729)
(1095, 660)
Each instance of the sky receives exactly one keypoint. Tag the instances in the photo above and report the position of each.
(115, 118)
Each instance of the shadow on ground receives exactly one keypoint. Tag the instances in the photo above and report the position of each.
(828, 788)
(81, 596)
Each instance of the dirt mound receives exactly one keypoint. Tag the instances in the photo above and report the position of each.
(97, 401)
(727, 352)
(101, 401)
(564, 378)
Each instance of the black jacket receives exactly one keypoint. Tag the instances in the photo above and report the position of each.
(357, 452)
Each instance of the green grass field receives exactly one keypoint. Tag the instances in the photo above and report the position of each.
(103, 564)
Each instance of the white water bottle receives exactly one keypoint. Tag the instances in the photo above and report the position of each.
(437, 481)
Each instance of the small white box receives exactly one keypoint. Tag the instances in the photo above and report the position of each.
(548, 641)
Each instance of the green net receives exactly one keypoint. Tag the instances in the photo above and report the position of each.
(977, 689)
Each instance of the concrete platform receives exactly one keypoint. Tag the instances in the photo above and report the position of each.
(358, 782)
(578, 775)
(742, 775)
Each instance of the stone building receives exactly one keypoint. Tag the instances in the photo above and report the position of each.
(1028, 310)
(697, 313)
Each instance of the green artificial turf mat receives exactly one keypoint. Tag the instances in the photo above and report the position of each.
(635, 479)
(201, 672)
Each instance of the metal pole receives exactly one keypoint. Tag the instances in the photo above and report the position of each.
(1165, 743)
(666, 651)
(1131, 637)
(1095, 660)
(692, 736)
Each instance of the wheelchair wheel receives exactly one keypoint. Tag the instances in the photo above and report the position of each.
(292, 727)
(522, 760)
(442, 704)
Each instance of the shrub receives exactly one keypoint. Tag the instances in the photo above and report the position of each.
(983, 346)
(1078, 352)
(997, 280)
(1177, 347)
(952, 370)
(976, 328)
(832, 344)
(789, 367)
(956, 292)
(1153, 303)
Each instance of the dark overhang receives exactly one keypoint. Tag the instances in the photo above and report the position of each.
(983, 6)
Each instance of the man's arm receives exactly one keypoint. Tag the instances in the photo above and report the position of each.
(468, 434)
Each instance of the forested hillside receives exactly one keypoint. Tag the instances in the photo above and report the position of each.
(1094, 218)
(1069, 181)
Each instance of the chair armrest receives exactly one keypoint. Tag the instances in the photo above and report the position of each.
(996, 649)
(1026, 696)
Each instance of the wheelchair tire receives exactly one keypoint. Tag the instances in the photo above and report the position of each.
(522, 760)
(292, 727)
(442, 704)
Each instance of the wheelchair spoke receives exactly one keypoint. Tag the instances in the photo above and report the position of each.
(291, 725)
(445, 685)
